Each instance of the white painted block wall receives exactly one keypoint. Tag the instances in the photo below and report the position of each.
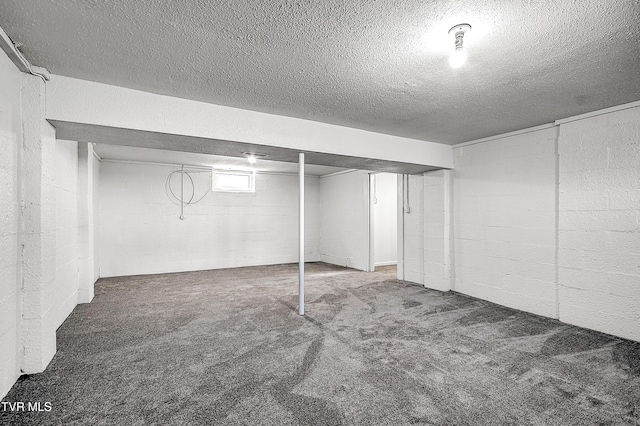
(505, 206)
(10, 270)
(38, 229)
(85, 222)
(504, 221)
(95, 200)
(599, 223)
(344, 201)
(141, 233)
(436, 242)
(411, 264)
(64, 293)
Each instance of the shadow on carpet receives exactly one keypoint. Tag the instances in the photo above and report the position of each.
(227, 347)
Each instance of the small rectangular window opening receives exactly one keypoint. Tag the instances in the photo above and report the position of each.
(233, 181)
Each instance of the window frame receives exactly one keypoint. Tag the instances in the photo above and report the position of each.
(216, 187)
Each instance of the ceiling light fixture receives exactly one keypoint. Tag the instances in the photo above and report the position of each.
(458, 57)
(252, 157)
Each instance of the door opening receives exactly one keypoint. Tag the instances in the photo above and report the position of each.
(383, 220)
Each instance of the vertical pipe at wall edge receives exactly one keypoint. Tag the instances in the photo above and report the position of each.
(301, 234)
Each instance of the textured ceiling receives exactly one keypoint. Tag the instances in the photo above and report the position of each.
(375, 65)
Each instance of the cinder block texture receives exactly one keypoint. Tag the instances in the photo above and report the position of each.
(504, 221)
(37, 332)
(10, 268)
(599, 216)
(414, 223)
(344, 238)
(95, 182)
(65, 290)
(436, 231)
(38, 343)
(85, 224)
(424, 228)
(141, 231)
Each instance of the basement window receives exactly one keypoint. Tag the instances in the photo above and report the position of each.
(233, 181)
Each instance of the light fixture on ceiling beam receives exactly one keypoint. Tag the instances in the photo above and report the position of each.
(458, 57)
(252, 157)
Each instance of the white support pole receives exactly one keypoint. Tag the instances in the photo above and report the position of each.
(301, 233)
(181, 192)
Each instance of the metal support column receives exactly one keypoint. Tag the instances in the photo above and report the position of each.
(301, 233)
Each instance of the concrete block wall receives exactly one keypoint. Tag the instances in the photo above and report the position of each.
(10, 262)
(344, 209)
(85, 222)
(599, 223)
(141, 232)
(95, 211)
(39, 314)
(64, 293)
(504, 221)
(411, 263)
(436, 242)
(38, 227)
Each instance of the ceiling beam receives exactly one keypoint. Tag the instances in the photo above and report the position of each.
(182, 143)
(84, 103)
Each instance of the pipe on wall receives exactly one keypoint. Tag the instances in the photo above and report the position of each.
(19, 60)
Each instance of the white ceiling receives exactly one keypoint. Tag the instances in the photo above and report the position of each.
(379, 65)
(129, 153)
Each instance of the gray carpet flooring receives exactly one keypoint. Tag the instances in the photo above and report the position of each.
(227, 347)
